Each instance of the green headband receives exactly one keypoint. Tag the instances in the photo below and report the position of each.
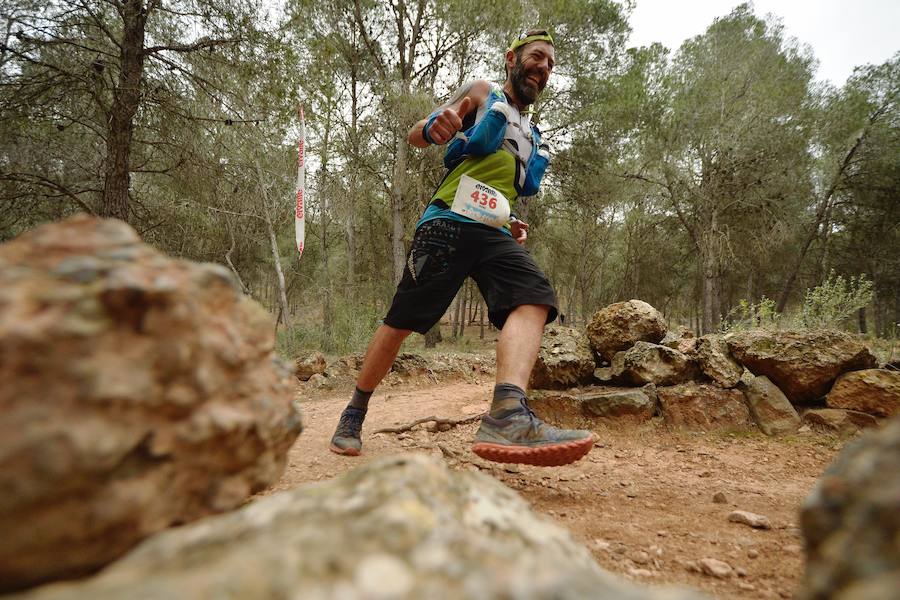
(542, 37)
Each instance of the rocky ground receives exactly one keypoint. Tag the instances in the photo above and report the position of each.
(652, 505)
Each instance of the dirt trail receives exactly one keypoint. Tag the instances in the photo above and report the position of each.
(641, 501)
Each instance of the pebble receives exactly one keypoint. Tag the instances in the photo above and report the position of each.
(691, 566)
(601, 544)
(719, 498)
(716, 568)
(752, 553)
(749, 587)
(640, 573)
(741, 572)
(640, 557)
(751, 519)
(793, 549)
(662, 533)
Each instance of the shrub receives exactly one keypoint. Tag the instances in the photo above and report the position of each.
(751, 316)
(826, 306)
(834, 301)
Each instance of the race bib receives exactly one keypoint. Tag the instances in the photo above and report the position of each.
(480, 202)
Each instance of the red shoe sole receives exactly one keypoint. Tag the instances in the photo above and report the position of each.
(542, 456)
(344, 451)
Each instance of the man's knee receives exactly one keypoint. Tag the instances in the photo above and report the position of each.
(393, 334)
(532, 309)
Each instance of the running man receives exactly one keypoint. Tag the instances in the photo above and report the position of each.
(494, 155)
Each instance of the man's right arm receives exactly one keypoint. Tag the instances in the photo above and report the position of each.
(447, 119)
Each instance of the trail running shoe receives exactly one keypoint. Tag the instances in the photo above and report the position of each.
(523, 438)
(346, 437)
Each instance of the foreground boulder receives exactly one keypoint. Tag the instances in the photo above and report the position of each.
(138, 392)
(646, 363)
(872, 391)
(704, 407)
(618, 326)
(851, 522)
(401, 527)
(803, 364)
(564, 360)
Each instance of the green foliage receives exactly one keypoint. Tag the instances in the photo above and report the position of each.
(834, 301)
(826, 306)
(747, 315)
(352, 325)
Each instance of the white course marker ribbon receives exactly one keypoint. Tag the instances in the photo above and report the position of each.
(299, 214)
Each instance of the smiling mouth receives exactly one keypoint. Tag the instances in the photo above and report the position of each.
(534, 81)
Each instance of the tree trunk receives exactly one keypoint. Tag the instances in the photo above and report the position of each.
(463, 297)
(861, 319)
(708, 291)
(481, 321)
(398, 245)
(433, 336)
(455, 327)
(273, 243)
(120, 124)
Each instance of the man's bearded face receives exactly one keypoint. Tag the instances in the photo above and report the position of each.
(527, 83)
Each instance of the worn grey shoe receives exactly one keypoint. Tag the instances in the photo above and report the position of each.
(346, 437)
(523, 438)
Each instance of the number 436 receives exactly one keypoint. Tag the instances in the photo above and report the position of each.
(483, 199)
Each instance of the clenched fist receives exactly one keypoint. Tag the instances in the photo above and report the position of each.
(448, 122)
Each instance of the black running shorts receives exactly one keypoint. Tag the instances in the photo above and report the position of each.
(444, 253)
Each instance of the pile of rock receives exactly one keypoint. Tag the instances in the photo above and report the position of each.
(317, 372)
(628, 366)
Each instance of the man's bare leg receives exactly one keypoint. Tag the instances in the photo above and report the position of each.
(520, 341)
(379, 357)
(511, 432)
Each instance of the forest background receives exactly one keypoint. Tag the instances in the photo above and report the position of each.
(720, 182)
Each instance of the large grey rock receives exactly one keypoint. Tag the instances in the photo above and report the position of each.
(697, 406)
(618, 326)
(714, 359)
(682, 340)
(634, 404)
(564, 360)
(803, 364)
(835, 420)
(404, 527)
(851, 522)
(872, 391)
(771, 409)
(138, 392)
(646, 363)
(586, 407)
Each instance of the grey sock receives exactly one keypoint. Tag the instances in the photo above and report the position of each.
(360, 399)
(507, 400)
